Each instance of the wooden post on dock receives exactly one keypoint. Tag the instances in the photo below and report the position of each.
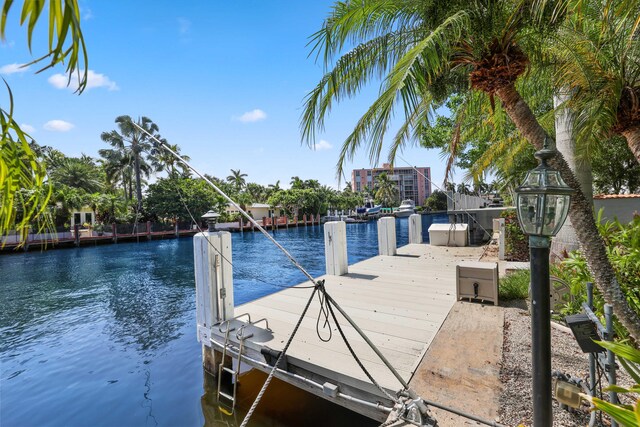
(176, 229)
(387, 236)
(304, 219)
(148, 230)
(76, 230)
(335, 248)
(214, 288)
(415, 228)
(114, 232)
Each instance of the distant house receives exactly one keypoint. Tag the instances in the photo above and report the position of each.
(85, 215)
(256, 210)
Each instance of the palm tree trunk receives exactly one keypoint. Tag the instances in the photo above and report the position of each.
(567, 240)
(138, 183)
(633, 139)
(580, 213)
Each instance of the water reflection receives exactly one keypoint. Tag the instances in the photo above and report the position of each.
(106, 335)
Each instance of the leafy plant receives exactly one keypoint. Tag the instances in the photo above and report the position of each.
(623, 249)
(516, 245)
(515, 285)
(629, 358)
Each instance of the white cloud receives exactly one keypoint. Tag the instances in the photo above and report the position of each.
(58, 126)
(88, 14)
(27, 128)
(184, 25)
(252, 116)
(13, 68)
(59, 81)
(322, 145)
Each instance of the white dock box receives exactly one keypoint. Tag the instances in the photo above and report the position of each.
(477, 281)
(448, 235)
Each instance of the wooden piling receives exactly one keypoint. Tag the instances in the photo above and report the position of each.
(387, 236)
(335, 248)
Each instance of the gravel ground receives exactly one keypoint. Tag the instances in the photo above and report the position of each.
(566, 356)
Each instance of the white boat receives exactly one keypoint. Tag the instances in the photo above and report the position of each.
(406, 208)
(374, 210)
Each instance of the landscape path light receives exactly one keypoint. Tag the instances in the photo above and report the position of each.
(212, 218)
(542, 204)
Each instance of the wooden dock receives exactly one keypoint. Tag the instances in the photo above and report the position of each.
(399, 301)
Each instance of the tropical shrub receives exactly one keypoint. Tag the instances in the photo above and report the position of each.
(516, 245)
(629, 358)
(515, 285)
(437, 201)
(623, 248)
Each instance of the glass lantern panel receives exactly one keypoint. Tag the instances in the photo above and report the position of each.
(533, 179)
(553, 179)
(556, 208)
(528, 208)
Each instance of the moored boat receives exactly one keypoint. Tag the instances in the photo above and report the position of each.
(406, 208)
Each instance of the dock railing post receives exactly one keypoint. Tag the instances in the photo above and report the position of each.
(214, 286)
(335, 248)
(387, 236)
(415, 228)
(76, 230)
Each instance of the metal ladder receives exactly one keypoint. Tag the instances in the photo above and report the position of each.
(235, 373)
(241, 336)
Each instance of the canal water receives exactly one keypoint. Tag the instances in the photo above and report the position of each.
(106, 335)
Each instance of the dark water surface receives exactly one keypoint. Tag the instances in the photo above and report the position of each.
(106, 335)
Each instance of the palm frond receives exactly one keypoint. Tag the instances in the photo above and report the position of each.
(425, 60)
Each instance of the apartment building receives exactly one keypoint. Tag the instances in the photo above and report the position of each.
(413, 183)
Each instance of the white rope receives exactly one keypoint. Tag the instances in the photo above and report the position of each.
(228, 199)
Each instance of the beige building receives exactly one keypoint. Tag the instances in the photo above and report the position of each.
(256, 210)
(83, 216)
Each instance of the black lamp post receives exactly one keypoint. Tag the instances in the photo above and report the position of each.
(212, 218)
(542, 202)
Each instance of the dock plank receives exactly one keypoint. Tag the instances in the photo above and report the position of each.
(399, 301)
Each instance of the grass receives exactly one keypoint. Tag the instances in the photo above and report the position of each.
(515, 286)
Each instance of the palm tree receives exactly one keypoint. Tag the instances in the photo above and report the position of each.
(118, 168)
(463, 188)
(386, 190)
(429, 50)
(163, 160)
(237, 179)
(296, 182)
(599, 56)
(78, 174)
(129, 140)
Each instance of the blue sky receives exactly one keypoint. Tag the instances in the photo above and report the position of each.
(223, 80)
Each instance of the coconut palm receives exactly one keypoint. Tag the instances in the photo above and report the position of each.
(386, 190)
(428, 50)
(296, 182)
(118, 168)
(237, 180)
(163, 160)
(132, 142)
